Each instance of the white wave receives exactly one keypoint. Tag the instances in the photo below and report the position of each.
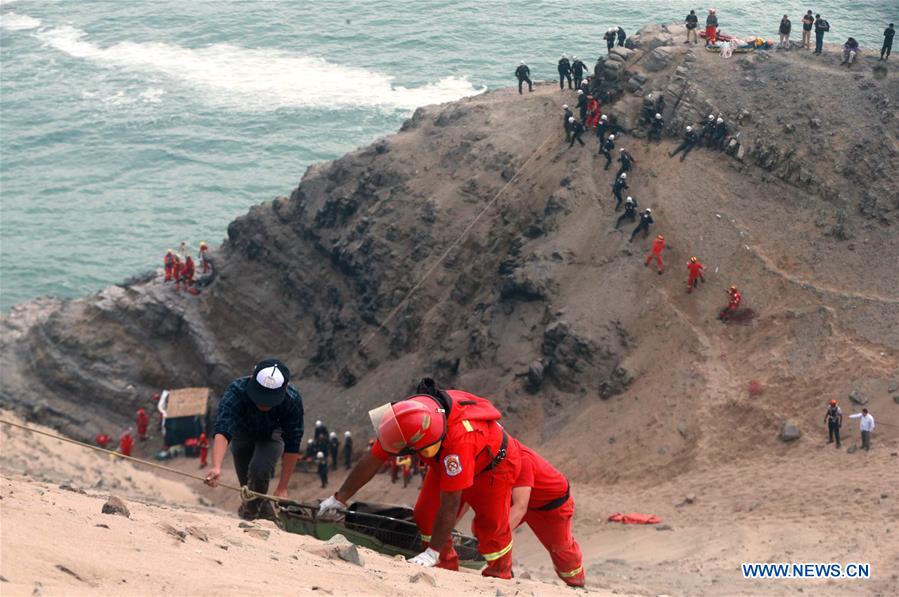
(16, 22)
(259, 78)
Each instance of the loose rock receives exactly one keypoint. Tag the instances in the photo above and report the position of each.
(424, 578)
(789, 432)
(857, 397)
(115, 505)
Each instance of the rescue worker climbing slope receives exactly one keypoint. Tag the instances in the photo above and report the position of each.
(734, 299)
(471, 459)
(658, 245)
(695, 269)
(169, 263)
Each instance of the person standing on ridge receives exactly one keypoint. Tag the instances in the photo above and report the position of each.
(627, 161)
(205, 265)
(143, 421)
(808, 21)
(334, 445)
(578, 68)
(865, 426)
(126, 442)
(470, 459)
(834, 420)
(695, 268)
(821, 27)
(203, 444)
(168, 263)
(610, 36)
(582, 104)
(686, 145)
(176, 269)
(691, 23)
(577, 129)
(630, 212)
(606, 150)
(523, 74)
(887, 47)
(619, 185)
(711, 27)
(784, 31)
(621, 36)
(260, 418)
(347, 449)
(657, 246)
(321, 463)
(645, 222)
(564, 72)
(187, 273)
(656, 127)
(321, 436)
(566, 114)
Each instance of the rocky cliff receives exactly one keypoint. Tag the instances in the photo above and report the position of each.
(476, 246)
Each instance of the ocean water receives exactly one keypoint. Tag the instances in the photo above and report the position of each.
(128, 126)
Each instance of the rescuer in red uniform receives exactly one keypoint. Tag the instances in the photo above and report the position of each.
(732, 305)
(176, 270)
(695, 269)
(169, 262)
(126, 443)
(592, 112)
(204, 260)
(187, 273)
(471, 459)
(203, 444)
(102, 440)
(657, 246)
(143, 421)
(541, 498)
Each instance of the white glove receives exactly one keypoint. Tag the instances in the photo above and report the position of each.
(428, 558)
(329, 504)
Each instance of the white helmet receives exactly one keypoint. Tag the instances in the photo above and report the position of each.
(522, 63)
(621, 150)
(347, 434)
(571, 119)
(580, 92)
(624, 175)
(629, 200)
(647, 210)
(310, 442)
(711, 117)
(658, 116)
(611, 29)
(320, 455)
(318, 423)
(611, 137)
(574, 57)
(564, 106)
(333, 434)
(603, 117)
(689, 128)
(720, 120)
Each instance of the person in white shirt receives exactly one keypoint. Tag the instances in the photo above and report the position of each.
(866, 426)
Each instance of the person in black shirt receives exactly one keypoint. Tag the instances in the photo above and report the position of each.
(321, 462)
(719, 134)
(619, 185)
(834, 420)
(621, 36)
(334, 445)
(645, 221)
(602, 127)
(261, 418)
(627, 162)
(564, 72)
(784, 31)
(578, 69)
(630, 212)
(888, 35)
(821, 27)
(606, 150)
(686, 145)
(691, 23)
(577, 129)
(566, 115)
(523, 73)
(808, 21)
(582, 104)
(656, 127)
(610, 36)
(347, 449)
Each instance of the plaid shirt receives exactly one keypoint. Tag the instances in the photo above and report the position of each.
(238, 413)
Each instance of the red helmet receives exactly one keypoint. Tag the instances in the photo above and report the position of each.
(409, 425)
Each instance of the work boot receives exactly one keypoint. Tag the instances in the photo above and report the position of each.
(267, 511)
(249, 510)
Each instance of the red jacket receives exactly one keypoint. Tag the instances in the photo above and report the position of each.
(695, 269)
(187, 271)
(657, 245)
(735, 299)
(592, 106)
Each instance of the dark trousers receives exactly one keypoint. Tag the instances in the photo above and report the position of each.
(334, 454)
(886, 49)
(866, 440)
(323, 474)
(622, 169)
(640, 226)
(576, 137)
(608, 155)
(819, 41)
(577, 81)
(632, 215)
(833, 432)
(562, 78)
(655, 133)
(583, 114)
(255, 459)
(528, 81)
(567, 132)
(347, 458)
(685, 147)
(618, 199)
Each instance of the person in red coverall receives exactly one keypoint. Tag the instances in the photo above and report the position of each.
(695, 269)
(176, 270)
(203, 444)
(732, 305)
(471, 459)
(541, 498)
(102, 440)
(187, 273)
(126, 443)
(143, 421)
(204, 260)
(657, 246)
(593, 112)
(169, 262)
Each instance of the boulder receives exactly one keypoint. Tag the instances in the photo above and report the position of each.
(659, 59)
(621, 53)
(535, 375)
(857, 397)
(115, 505)
(789, 432)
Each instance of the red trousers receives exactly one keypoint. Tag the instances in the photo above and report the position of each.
(593, 120)
(168, 273)
(691, 281)
(490, 498)
(658, 257)
(142, 429)
(711, 34)
(204, 453)
(553, 529)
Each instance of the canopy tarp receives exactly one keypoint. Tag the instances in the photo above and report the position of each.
(187, 402)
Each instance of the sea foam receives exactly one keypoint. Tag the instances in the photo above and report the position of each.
(16, 22)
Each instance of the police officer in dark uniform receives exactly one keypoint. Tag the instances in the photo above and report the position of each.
(645, 221)
(656, 127)
(686, 145)
(606, 148)
(577, 129)
(603, 127)
(565, 116)
(582, 104)
(630, 212)
(578, 68)
(619, 185)
(627, 161)
(564, 72)
(523, 73)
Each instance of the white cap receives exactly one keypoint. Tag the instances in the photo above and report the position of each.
(603, 117)
(318, 423)
(320, 455)
(571, 119)
(333, 434)
(658, 116)
(624, 175)
(689, 128)
(611, 137)
(564, 106)
(347, 434)
(720, 120)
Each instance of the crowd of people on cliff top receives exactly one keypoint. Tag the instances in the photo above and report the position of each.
(179, 267)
